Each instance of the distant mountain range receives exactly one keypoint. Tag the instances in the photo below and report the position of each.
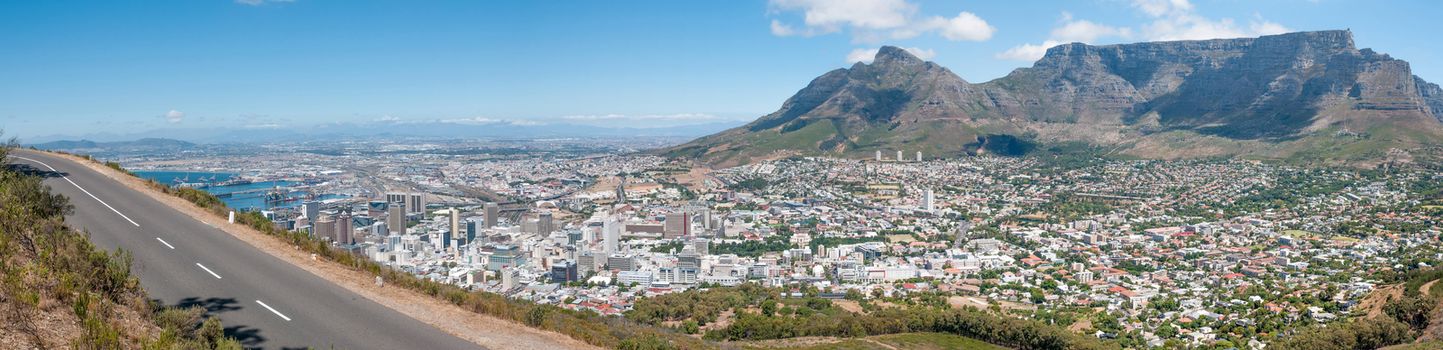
(385, 129)
(137, 145)
(1309, 96)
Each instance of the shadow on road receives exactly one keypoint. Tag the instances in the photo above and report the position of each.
(249, 337)
(213, 306)
(31, 170)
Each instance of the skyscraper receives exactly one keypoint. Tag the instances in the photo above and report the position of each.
(455, 231)
(678, 224)
(611, 235)
(396, 221)
(417, 203)
(928, 201)
(493, 212)
(879, 155)
(919, 156)
(544, 223)
(311, 209)
(471, 230)
(345, 228)
(396, 197)
(563, 272)
(325, 227)
(899, 156)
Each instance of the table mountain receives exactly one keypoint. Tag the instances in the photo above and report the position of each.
(1310, 95)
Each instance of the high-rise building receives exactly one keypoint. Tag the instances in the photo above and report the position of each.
(396, 221)
(454, 231)
(396, 197)
(417, 202)
(325, 227)
(345, 228)
(611, 235)
(899, 156)
(471, 230)
(505, 257)
(928, 201)
(563, 272)
(879, 155)
(544, 223)
(311, 209)
(508, 279)
(623, 262)
(678, 224)
(493, 212)
(919, 156)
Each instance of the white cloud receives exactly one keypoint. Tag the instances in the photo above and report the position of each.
(874, 20)
(1159, 8)
(1176, 20)
(966, 26)
(780, 29)
(866, 55)
(260, 2)
(1028, 52)
(174, 116)
(1085, 31)
(1168, 20)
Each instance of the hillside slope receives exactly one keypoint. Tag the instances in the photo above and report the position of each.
(1308, 95)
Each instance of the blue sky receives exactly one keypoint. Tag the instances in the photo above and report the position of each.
(73, 67)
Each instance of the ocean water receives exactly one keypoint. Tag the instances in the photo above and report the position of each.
(169, 177)
(249, 196)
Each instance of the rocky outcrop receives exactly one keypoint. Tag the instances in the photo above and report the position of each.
(1270, 89)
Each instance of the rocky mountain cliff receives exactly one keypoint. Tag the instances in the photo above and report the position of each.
(1308, 95)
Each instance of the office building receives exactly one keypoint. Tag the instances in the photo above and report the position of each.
(396, 197)
(311, 209)
(396, 221)
(345, 228)
(493, 212)
(928, 201)
(505, 257)
(611, 235)
(325, 227)
(562, 272)
(639, 278)
(544, 223)
(471, 230)
(621, 262)
(586, 263)
(416, 203)
(455, 230)
(678, 224)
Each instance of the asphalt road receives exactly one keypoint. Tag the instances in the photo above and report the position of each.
(263, 301)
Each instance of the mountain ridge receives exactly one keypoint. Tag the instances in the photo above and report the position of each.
(1304, 95)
